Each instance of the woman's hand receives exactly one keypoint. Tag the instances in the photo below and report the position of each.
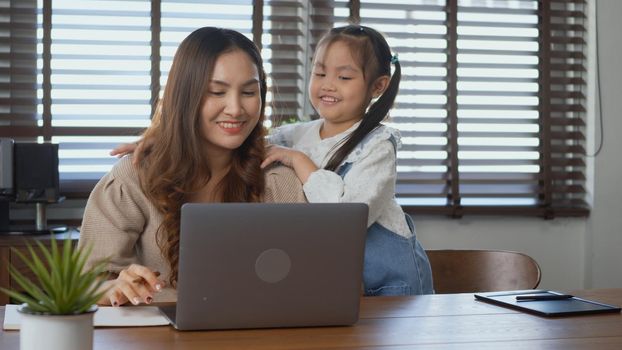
(135, 284)
(303, 166)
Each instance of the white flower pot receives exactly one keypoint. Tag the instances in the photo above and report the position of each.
(56, 332)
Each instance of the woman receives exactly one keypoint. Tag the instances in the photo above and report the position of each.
(206, 146)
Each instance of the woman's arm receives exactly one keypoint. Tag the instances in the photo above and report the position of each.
(282, 186)
(138, 149)
(113, 222)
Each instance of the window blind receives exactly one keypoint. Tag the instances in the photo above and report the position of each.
(292, 29)
(18, 66)
(87, 74)
(491, 107)
(417, 32)
(283, 50)
(100, 81)
(181, 17)
(563, 99)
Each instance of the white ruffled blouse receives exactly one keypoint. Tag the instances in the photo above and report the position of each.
(370, 180)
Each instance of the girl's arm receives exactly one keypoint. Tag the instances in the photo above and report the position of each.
(370, 180)
(124, 149)
(139, 149)
(283, 135)
(281, 141)
(303, 166)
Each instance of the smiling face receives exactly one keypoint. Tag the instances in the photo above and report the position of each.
(232, 106)
(338, 90)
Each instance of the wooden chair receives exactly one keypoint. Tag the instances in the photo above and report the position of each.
(470, 271)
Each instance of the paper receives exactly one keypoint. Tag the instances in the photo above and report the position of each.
(106, 316)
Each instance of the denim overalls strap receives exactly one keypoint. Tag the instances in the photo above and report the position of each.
(394, 264)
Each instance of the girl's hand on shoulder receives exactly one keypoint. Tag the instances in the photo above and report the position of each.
(124, 149)
(135, 284)
(139, 149)
(302, 165)
(280, 154)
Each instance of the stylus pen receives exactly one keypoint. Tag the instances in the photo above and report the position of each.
(536, 297)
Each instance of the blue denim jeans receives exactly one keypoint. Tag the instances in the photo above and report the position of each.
(394, 264)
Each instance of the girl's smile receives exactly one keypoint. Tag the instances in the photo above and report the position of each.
(329, 100)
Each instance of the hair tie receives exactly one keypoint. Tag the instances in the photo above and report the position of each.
(394, 59)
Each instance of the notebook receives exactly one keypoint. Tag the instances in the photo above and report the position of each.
(105, 316)
(569, 305)
(251, 265)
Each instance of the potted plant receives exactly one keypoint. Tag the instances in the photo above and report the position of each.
(57, 310)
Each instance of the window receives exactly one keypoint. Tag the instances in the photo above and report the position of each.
(491, 104)
(491, 107)
(100, 77)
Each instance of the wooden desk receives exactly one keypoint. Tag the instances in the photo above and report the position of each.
(430, 321)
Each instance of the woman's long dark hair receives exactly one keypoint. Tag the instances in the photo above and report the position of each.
(374, 55)
(175, 166)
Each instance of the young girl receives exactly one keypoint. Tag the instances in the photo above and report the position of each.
(349, 156)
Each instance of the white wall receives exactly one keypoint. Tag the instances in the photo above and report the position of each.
(572, 252)
(604, 227)
(557, 245)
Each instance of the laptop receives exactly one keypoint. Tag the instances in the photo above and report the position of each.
(264, 265)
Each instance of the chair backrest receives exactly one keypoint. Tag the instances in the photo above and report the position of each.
(470, 271)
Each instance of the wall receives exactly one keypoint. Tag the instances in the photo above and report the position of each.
(557, 245)
(604, 227)
(573, 253)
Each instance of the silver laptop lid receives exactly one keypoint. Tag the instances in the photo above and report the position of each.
(251, 265)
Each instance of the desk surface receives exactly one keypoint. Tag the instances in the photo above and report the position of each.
(429, 321)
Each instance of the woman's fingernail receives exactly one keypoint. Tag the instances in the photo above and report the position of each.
(148, 300)
(135, 301)
(158, 286)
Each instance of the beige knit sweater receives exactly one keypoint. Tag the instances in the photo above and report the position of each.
(121, 223)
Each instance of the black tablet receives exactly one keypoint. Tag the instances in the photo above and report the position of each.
(546, 302)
